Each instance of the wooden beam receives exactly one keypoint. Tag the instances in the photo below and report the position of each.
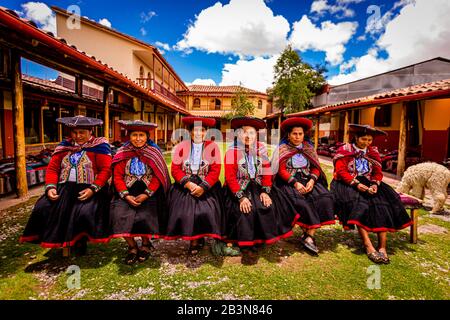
(19, 130)
(401, 160)
(316, 133)
(346, 122)
(60, 137)
(142, 109)
(106, 112)
(155, 117)
(78, 85)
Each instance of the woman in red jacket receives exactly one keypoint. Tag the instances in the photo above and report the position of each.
(141, 180)
(195, 210)
(257, 212)
(75, 204)
(300, 176)
(362, 199)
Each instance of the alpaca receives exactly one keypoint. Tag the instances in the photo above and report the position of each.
(430, 175)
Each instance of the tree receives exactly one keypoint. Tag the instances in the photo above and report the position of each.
(295, 82)
(240, 105)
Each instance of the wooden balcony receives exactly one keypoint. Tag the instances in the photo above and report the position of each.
(157, 88)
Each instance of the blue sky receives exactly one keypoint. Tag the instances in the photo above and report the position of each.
(237, 41)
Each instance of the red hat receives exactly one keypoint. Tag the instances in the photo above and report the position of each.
(137, 125)
(248, 121)
(366, 129)
(206, 122)
(306, 124)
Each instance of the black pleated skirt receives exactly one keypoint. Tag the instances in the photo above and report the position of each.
(380, 212)
(316, 208)
(191, 218)
(263, 225)
(146, 220)
(63, 222)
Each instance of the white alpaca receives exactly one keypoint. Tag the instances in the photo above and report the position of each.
(430, 175)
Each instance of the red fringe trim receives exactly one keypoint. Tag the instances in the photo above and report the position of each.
(359, 224)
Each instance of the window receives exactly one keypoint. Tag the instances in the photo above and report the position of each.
(218, 104)
(31, 122)
(50, 114)
(260, 104)
(383, 116)
(196, 103)
(141, 76)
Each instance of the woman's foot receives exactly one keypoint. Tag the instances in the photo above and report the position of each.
(383, 255)
(374, 255)
(132, 255)
(194, 247)
(145, 251)
(309, 243)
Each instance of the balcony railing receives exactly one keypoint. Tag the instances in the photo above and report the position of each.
(159, 89)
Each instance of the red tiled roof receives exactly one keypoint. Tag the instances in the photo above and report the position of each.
(10, 19)
(100, 26)
(210, 113)
(44, 83)
(416, 92)
(221, 89)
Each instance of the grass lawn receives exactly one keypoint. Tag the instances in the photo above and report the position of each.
(283, 271)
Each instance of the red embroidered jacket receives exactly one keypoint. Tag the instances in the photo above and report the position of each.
(93, 168)
(210, 167)
(236, 174)
(345, 166)
(122, 175)
(287, 174)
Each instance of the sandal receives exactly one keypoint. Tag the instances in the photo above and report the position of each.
(384, 258)
(375, 257)
(131, 257)
(194, 249)
(311, 247)
(143, 255)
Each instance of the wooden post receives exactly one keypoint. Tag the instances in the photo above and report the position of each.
(155, 117)
(166, 124)
(19, 130)
(279, 121)
(401, 161)
(413, 227)
(142, 109)
(60, 137)
(106, 110)
(316, 133)
(41, 122)
(78, 85)
(346, 139)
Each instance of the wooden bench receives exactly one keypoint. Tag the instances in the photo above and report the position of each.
(413, 205)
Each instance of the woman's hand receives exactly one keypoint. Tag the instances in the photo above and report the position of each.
(85, 194)
(265, 199)
(245, 205)
(362, 187)
(300, 188)
(52, 194)
(132, 201)
(373, 189)
(190, 186)
(141, 198)
(198, 191)
(310, 185)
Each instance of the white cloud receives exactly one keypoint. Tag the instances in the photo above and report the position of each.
(255, 74)
(162, 45)
(419, 32)
(203, 82)
(105, 22)
(143, 31)
(147, 16)
(41, 14)
(340, 10)
(242, 27)
(329, 37)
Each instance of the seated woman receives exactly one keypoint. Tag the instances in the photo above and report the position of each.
(75, 205)
(141, 180)
(362, 199)
(195, 210)
(256, 212)
(301, 178)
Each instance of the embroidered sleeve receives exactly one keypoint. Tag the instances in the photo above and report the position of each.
(103, 165)
(53, 169)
